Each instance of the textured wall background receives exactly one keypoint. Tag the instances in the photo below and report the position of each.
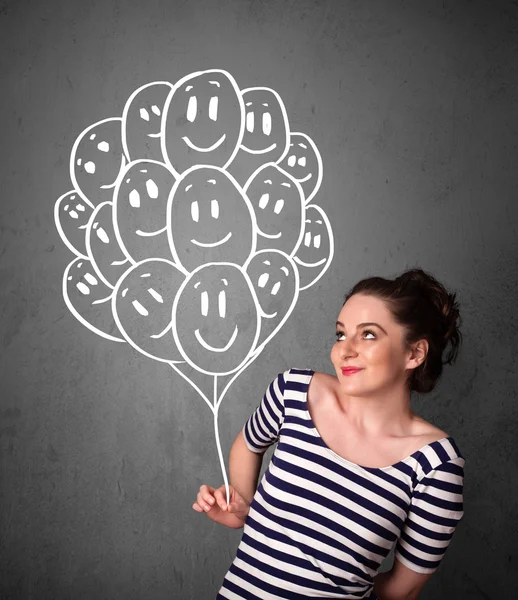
(413, 107)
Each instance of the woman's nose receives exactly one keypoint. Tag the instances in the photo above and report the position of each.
(347, 348)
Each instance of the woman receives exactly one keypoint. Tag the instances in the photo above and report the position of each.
(355, 470)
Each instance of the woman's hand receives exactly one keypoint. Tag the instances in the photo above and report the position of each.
(213, 502)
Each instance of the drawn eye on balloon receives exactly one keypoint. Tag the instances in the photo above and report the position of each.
(71, 215)
(315, 253)
(209, 219)
(203, 121)
(275, 278)
(102, 247)
(96, 161)
(304, 163)
(142, 303)
(278, 204)
(140, 209)
(142, 121)
(216, 324)
(88, 299)
(266, 133)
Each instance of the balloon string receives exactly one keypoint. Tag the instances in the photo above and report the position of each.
(225, 390)
(216, 435)
(203, 396)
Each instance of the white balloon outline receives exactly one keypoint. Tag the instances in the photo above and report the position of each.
(254, 352)
(73, 159)
(125, 112)
(189, 277)
(329, 258)
(91, 257)
(300, 191)
(76, 314)
(319, 163)
(114, 296)
(59, 227)
(165, 112)
(284, 116)
(170, 201)
(293, 302)
(116, 201)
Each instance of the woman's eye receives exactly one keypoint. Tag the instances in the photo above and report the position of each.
(368, 331)
(340, 336)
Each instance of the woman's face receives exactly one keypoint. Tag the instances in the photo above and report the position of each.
(369, 338)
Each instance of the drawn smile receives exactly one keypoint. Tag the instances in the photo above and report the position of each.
(157, 336)
(304, 264)
(250, 151)
(121, 170)
(154, 135)
(200, 149)
(212, 245)
(308, 176)
(273, 236)
(213, 348)
(150, 233)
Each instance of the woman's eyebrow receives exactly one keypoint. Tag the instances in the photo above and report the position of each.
(363, 325)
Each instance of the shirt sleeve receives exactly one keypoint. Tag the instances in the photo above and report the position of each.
(435, 510)
(263, 426)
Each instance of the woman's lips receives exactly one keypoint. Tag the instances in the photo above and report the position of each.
(350, 371)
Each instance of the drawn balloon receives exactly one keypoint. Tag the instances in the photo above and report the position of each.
(140, 209)
(142, 122)
(142, 306)
(71, 214)
(193, 224)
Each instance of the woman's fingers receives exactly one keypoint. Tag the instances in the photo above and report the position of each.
(220, 497)
(205, 498)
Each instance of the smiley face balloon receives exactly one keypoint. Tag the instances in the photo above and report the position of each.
(89, 299)
(216, 324)
(96, 160)
(142, 121)
(140, 209)
(209, 219)
(278, 205)
(71, 214)
(203, 121)
(304, 163)
(266, 134)
(315, 253)
(276, 283)
(102, 246)
(142, 304)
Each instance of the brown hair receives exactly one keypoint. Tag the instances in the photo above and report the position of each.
(424, 307)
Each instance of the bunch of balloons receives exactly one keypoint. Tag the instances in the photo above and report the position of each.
(192, 222)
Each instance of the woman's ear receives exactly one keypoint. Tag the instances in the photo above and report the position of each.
(418, 353)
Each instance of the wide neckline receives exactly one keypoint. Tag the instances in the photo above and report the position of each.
(316, 433)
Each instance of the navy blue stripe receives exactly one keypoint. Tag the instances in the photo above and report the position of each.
(420, 546)
(417, 561)
(311, 551)
(338, 489)
(433, 535)
(285, 575)
(348, 474)
(293, 560)
(266, 587)
(331, 525)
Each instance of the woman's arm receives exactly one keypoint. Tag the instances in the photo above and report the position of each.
(244, 472)
(244, 466)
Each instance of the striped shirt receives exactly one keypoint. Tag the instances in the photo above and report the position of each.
(319, 525)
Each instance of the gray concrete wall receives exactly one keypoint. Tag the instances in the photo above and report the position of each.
(413, 107)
